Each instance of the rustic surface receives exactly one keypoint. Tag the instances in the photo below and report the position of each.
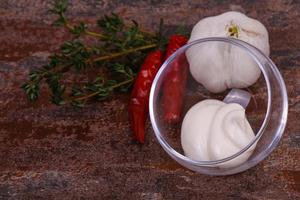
(54, 152)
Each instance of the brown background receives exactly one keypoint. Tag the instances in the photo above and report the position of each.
(49, 152)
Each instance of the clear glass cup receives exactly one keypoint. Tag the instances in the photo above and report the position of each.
(266, 113)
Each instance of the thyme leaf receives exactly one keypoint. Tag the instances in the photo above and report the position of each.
(116, 59)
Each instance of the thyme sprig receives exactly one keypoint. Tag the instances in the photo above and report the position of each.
(119, 53)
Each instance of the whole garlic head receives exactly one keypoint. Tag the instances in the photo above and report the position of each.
(218, 65)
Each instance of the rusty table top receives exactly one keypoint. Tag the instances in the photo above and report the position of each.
(60, 153)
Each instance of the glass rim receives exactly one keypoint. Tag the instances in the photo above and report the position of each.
(251, 50)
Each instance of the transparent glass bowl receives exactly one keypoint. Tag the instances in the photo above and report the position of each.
(267, 111)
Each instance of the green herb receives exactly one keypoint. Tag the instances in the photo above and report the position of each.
(121, 49)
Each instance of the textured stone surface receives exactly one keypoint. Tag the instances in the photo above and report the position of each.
(54, 152)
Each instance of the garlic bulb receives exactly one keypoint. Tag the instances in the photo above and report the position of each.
(219, 65)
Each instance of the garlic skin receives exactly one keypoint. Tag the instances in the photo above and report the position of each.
(218, 65)
(213, 130)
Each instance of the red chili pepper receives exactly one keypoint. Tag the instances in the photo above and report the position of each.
(138, 105)
(175, 81)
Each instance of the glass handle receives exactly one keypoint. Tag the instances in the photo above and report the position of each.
(238, 96)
